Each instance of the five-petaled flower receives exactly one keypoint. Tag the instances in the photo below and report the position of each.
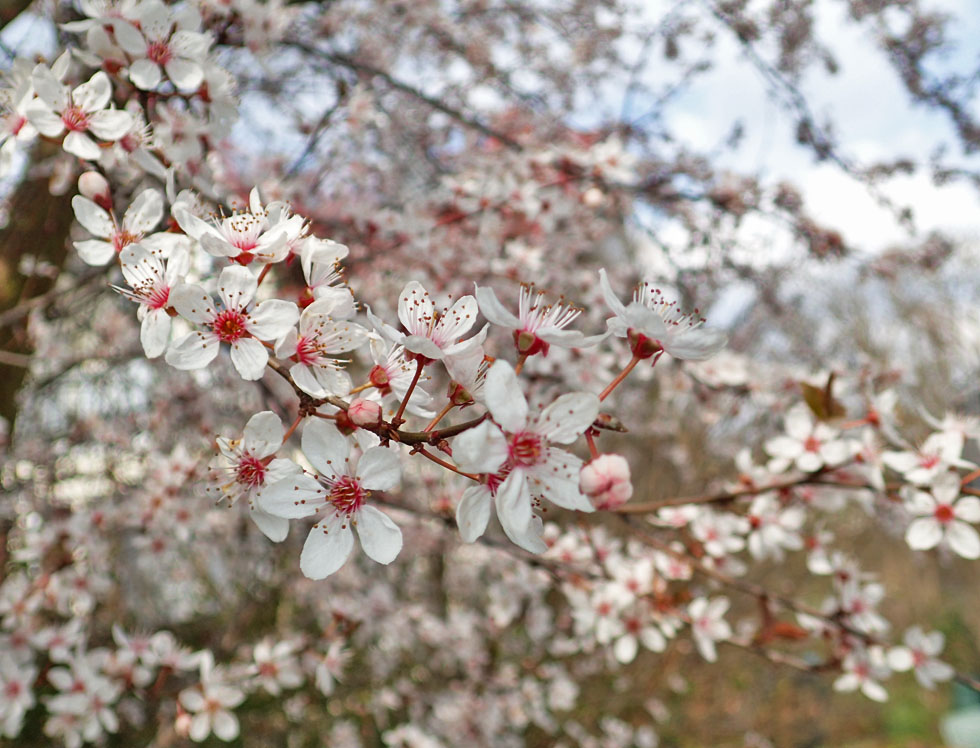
(653, 324)
(237, 323)
(341, 488)
(79, 111)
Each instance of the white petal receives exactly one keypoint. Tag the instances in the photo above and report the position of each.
(94, 94)
(225, 725)
(236, 287)
(200, 727)
(695, 345)
(111, 124)
(457, 321)
(567, 417)
(144, 213)
(963, 539)
(272, 319)
(494, 311)
(95, 220)
(49, 89)
(194, 351)
(129, 38)
(274, 528)
(967, 509)
(327, 548)
(612, 301)
(263, 434)
(480, 450)
(900, 659)
(924, 533)
(304, 378)
(192, 303)
(185, 75)
(379, 469)
(380, 537)
(44, 120)
(422, 345)
(415, 308)
(504, 397)
(298, 495)
(81, 145)
(625, 649)
(473, 512)
(249, 357)
(513, 502)
(326, 448)
(155, 332)
(95, 252)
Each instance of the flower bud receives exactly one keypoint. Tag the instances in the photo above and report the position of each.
(364, 413)
(95, 187)
(606, 480)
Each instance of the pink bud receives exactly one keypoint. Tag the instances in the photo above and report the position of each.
(365, 413)
(95, 187)
(606, 480)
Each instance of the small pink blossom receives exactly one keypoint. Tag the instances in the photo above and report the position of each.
(606, 480)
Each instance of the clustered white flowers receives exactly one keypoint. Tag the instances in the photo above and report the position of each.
(362, 414)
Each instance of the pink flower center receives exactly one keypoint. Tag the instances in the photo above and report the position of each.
(12, 689)
(928, 461)
(525, 449)
(306, 351)
(158, 297)
(159, 52)
(346, 495)
(268, 669)
(229, 326)
(250, 472)
(75, 119)
(812, 444)
(122, 239)
(944, 513)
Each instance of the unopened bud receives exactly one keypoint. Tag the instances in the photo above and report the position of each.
(364, 413)
(606, 480)
(95, 187)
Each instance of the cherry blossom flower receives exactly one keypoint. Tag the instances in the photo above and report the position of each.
(237, 324)
(639, 627)
(316, 371)
(16, 694)
(431, 334)
(78, 111)
(256, 234)
(919, 655)
(518, 450)
(246, 466)
(320, 259)
(153, 43)
(863, 668)
(341, 487)
(808, 444)
(392, 374)
(150, 283)
(708, 624)
(537, 325)
(938, 453)
(652, 324)
(720, 533)
(606, 480)
(143, 214)
(942, 516)
(774, 527)
(276, 666)
(210, 702)
(328, 666)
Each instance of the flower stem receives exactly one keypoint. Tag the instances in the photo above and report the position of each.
(439, 416)
(292, 428)
(398, 420)
(620, 377)
(425, 453)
